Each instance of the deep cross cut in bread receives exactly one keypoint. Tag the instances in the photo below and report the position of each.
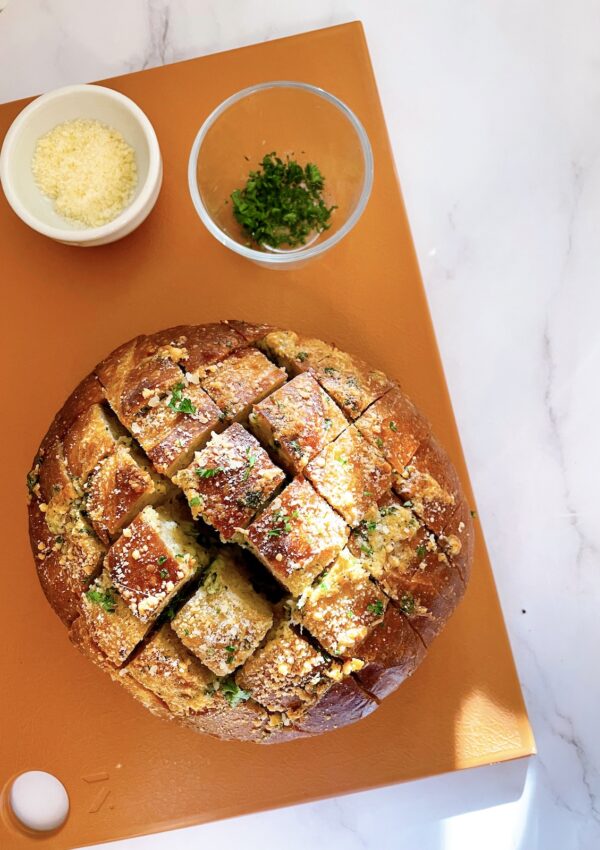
(250, 530)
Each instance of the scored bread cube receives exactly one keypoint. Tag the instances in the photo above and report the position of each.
(382, 534)
(151, 561)
(286, 673)
(457, 539)
(154, 704)
(207, 344)
(391, 653)
(351, 382)
(67, 560)
(430, 483)
(92, 437)
(120, 486)
(172, 428)
(345, 702)
(225, 620)
(295, 353)
(351, 475)
(343, 606)
(79, 549)
(405, 559)
(394, 425)
(137, 371)
(58, 492)
(296, 536)
(81, 638)
(166, 668)
(297, 421)
(396, 548)
(240, 381)
(110, 623)
(231, 715)
(229, 480)
(428, 595)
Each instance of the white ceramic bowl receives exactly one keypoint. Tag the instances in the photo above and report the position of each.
(65, 104)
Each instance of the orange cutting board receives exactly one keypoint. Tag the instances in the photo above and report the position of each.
(64, 308)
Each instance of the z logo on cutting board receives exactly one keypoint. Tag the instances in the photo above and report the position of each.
(102, 794)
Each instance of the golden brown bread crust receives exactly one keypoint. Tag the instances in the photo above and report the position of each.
(296, 536)
(351, 475)
(65, 562)
(345, 702)
(392, 652)
(297, 421)
(350, 624)
(230, 480)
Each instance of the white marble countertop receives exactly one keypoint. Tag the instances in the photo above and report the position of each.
(494, 114)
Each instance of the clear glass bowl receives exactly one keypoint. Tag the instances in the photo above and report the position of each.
(290, 118)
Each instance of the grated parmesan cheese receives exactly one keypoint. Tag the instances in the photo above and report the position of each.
(87, 168)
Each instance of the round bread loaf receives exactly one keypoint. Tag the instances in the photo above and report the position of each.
(253, 532)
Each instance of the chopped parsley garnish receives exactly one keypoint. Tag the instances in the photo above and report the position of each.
(105, 598)
(327, 422)
(208, 471)
(282, 203)
(193, 503)
(342, 460)
(301, 356)
(407, 504)
(421, 550)
(386, 511)
(250, 461)
(233, 693)
(171, 610)
(329, 370)
(32, 480)
(161, 559)
(231, 651)
(178, 402)
(393, 426)
(364, 547)
(407, 603)
(375, 608)
(281, 525)
(474, 514)
(296, 447)
(379, 443)
(164, 573)
(365, 527)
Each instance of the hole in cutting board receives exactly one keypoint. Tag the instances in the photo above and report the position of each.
(38, 801)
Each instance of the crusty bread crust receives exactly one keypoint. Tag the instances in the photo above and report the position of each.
(388, 461)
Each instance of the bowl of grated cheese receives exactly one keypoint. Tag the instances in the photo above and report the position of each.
(81, 165)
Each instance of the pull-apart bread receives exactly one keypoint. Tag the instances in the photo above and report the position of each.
(253, 532)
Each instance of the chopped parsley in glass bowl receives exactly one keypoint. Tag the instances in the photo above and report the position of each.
(280, 172)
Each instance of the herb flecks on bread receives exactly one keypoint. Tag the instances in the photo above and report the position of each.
(250, 530)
